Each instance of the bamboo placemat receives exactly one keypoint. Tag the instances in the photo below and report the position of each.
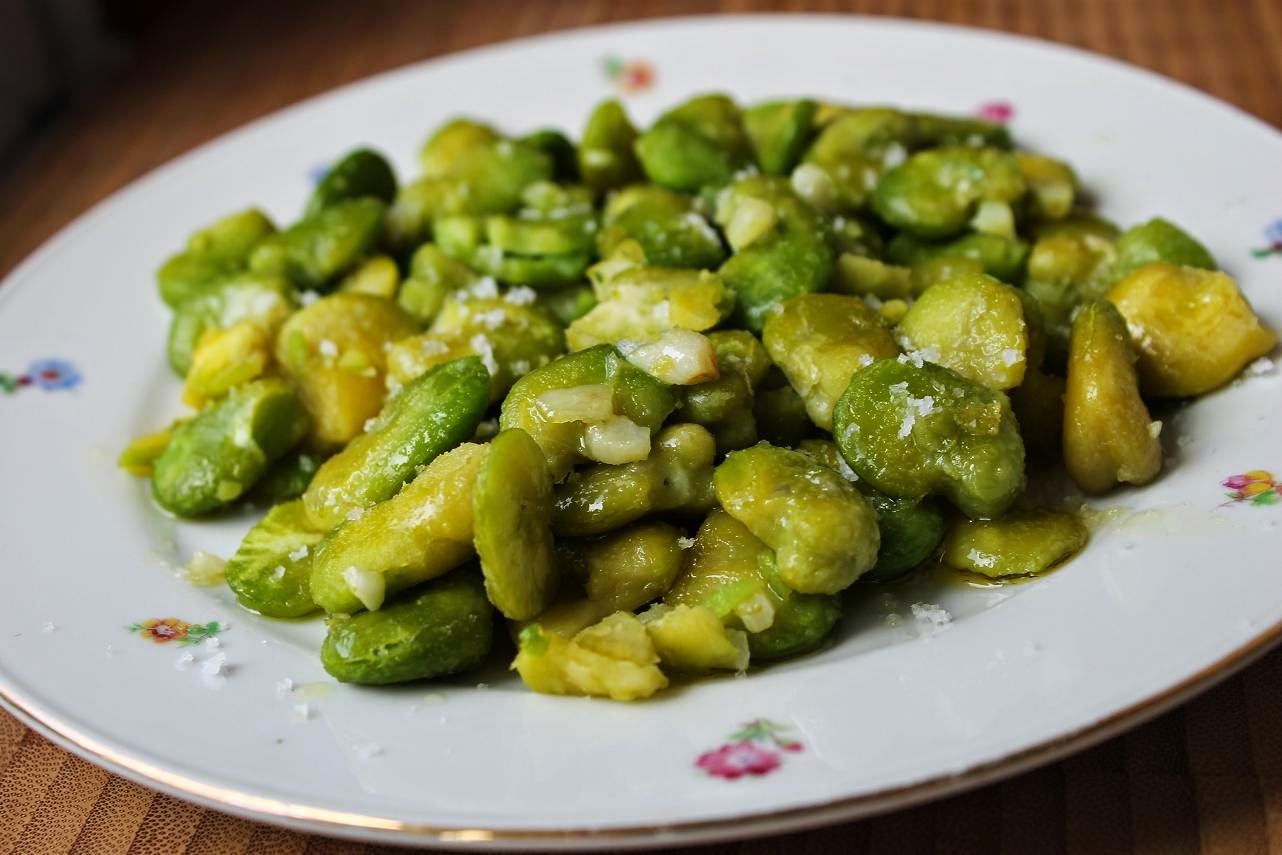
(1204, 778)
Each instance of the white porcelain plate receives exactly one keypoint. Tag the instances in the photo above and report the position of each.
(1179, 588)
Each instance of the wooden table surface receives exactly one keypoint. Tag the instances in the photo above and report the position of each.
(1204, 778)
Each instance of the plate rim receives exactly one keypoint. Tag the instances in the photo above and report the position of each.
(368, 826)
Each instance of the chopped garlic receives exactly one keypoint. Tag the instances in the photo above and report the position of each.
(368, 586)
(679, 358)
(751, 219)
(593, 402)
(618, 440)
(204, 569)
(757, 613)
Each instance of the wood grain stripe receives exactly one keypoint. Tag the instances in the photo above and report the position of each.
(56, 823)
(115, 819)
(26, 779)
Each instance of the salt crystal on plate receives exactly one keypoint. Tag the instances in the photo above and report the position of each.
(48, 627)
(931, 615)
(284, 687)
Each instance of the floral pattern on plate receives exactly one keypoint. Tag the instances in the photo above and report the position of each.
(165, 630)
(630, 76)
(48, 374)
(1273, 238)
(1000, 112)
(1257, 487)
(757, 748)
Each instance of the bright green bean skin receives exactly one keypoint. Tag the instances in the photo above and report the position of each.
(270, 571)
(442, 628)
(317, 250)
(913, 431)
(430, 415)
(362, 172)
(212, 254)
(214, 458)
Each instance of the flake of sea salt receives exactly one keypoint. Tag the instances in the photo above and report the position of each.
(932, 616)
(685, 542)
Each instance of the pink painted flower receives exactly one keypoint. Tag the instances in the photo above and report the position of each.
(1235, 482)
(736, 759)
(1000, 112)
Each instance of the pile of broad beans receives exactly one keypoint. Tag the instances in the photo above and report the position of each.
(658, 398)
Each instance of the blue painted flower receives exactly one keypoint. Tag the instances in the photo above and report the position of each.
(52, 374)
(1273, 234)
(318, 172)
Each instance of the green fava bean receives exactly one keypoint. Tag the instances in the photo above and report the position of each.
(677, 476)
(974, 325)
(443, 628)
(623, 571)
(634, 394)
(849, 154)
(511, 338)
(1158, 240)
(910, 530)
(933, 129)
(999, 256)
(1071, 262)
(725, 405)
(935, 193)
(1052, 185)
(1022, 543)
(731, 572)
(512, 504)
(820, 341)
(564, 156)
(314, 252)
(547, 252)
(450, 142)
(433, 276)
(910, 431)
(1108, 435)
(420, 533)
(362, 172)
(271, 570)
(482, 177)
(671, 233)
(698, 144)
(567, 305)
(779, 132)
(606, 158)
(780, 412)
(212, 254)
(287, 479)
(860, 276)
(216, 457)
(431, 414)
(823, 531)
(790, 257)
(265, 300)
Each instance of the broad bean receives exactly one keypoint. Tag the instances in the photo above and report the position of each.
(214, 458)
(823, 532)
(911, 431)
(819, 341)
(428, 416)
(443, 628)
